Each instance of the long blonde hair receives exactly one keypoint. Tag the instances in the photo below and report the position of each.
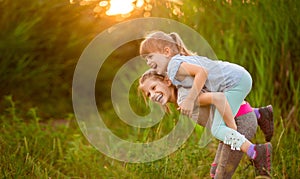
(157, 41)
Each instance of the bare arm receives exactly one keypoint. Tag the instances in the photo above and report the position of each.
(220, 101)
(200, 76)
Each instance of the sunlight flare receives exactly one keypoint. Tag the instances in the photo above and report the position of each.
(139, 3)
(120, 7)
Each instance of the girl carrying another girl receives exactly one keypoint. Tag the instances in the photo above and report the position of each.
(159, 89)
(167, 54)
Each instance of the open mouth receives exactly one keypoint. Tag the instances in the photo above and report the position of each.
(158, 98)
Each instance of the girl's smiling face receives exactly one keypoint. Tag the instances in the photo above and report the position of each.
(159, 91)
(158, 62)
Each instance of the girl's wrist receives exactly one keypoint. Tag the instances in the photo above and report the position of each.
(189, 99)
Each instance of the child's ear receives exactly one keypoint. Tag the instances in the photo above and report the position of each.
(167, 51)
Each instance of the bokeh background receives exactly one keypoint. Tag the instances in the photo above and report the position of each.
(42, 40)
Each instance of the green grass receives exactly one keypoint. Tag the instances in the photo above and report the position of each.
(34, 148)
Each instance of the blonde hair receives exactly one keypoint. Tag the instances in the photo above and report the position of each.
(157, 41)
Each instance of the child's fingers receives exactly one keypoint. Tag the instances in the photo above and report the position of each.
(186, 112)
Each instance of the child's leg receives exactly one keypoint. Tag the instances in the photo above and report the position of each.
(260, 153)
(265, 121)
(229, 159)
(264, 117)
(215, 163)
(235, 97)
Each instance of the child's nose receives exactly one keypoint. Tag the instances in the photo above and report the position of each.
(148, 62)
(152, 95)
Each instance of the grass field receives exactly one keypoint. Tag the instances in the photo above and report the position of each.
(34, 148)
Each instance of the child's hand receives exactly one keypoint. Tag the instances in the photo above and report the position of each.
(186, 107)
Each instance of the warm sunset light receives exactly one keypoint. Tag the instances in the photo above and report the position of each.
(139, 3)
(120, 7)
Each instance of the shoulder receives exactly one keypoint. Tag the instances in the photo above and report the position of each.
(178, 59)
(174, 65)
(175, 62)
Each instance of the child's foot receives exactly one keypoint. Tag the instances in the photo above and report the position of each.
(266, 122)
(262, 161)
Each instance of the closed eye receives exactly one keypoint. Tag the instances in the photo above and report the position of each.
(148, 57)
